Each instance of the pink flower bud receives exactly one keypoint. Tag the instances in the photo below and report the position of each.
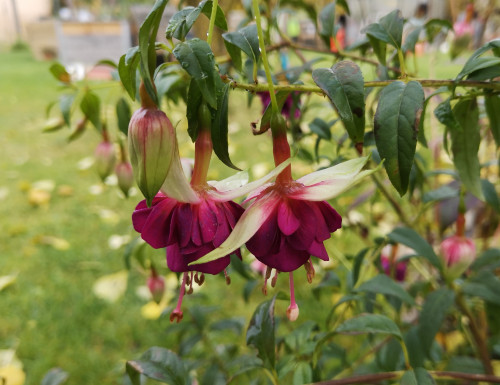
(156, 285)
(105, 159)
(458, 253)
(151, 142)
(125, 176)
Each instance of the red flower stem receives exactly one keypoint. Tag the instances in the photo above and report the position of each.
(146, 101)
(202, 149)
(181, 294)
(281, 152)
(460, 224)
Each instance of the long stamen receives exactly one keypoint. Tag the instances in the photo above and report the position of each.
(275, 278)
(190, 290)
(310, 270)
(228, 278)
(293, 310)
(177, 313)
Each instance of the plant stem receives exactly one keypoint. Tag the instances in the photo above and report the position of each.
(431, 83)
(479, 337)
(402, 63)
(215, 5)
(265, 62)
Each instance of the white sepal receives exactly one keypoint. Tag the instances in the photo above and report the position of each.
(235, 181)
(344, 170)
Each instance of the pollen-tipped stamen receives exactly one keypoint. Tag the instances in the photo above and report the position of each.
(190, 290)
(228, 278)
(177, 313)
(268, 274)
(310, 270)
(293, 310)
(275, 278)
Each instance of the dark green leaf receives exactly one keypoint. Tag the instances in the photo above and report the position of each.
(384, 285)
(484, 285)
(492, 105)
(358, 263)
(91, 108)
(65, 103)
(302, 374)
(439, 194)
(485, 73)
(60, 73)
(197, 59)
(327, 22)
(434, 26)
(412, 342)
(344, 85)
(123, 115)
(147, 48)
(444, 114)
(158, 364)
(396, 128)
(370, 323)
(260, 333)
(107, 62)
(490, 194)
(410, 238)
(418, 376)
(411, 40)
(489, 259)
(127, 70)
(389, 29)
(55, 376)
(181, 22)
(194, 100)
(433, 314)
(465, 145)
(220, 127)
(379, 48)
(476, 64)
(220, 18)
(320, 128)
(246, 40)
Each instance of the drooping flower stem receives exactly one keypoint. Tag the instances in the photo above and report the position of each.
(265, 62)
(215, 5)
(203, 148)
(177, 313)
(281, 148)
(146, 101)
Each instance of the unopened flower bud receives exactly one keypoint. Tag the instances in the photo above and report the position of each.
(151, 142)
(156, 285)
(125, 176)
(105, 159)
(458, 253)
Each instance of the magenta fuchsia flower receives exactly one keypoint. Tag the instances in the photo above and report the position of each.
(105, 158)
(156, 286)
(288, 221)
(288, 106)
(389, 260)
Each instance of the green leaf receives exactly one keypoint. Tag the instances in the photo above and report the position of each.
(147, 39)
(379, 48)
(476, 64)
(159, 364)
(396, 128)
(432, 316)
(410, 238)
(60, 73)
(127, 70)
(484, 285)
(265, 122)
(490, 194)
(123, 115)
(181, 22)
(55, 376)
(370, 323)
(492, 105)
(260, 333)
(246, 40)
(91, 108)
(302, 374)
(327, 18)
(384, 285)
(439, 194)
(434, 26)
(389, 29)
(344, 85)
(197, 59)
(411, 40)
(489, 259)
(220, 127)
(444, 114)
(220, 18)
(65, 103)
(194, 100)
(320, 128)
(465, 145)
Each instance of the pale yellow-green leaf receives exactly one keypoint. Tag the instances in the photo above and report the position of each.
(111, 287)
(7, 280)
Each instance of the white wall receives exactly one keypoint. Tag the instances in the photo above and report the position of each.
(28, 11)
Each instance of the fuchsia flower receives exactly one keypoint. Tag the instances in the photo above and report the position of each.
(389, 259)
(288, 221)
(458, 253)
(125, 176)
(156, 286)
(105, 158)
(288, 107)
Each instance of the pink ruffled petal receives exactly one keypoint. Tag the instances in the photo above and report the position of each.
(288, 223)
(332, 217)
(287, 259)
(267, 239)
(185, 221)
(306, 233)
(208, 222)
(195, 227)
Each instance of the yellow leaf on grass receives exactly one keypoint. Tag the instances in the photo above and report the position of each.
(56, 243)
(12, 375)
(152, 310)
(7, 280)
(111, 287)
(38, 197)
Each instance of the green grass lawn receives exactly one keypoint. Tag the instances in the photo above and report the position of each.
(50, 315)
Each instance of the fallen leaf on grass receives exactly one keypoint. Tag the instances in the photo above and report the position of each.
(7, 280)
(56, 243)
(111, 287)
(12, 375)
